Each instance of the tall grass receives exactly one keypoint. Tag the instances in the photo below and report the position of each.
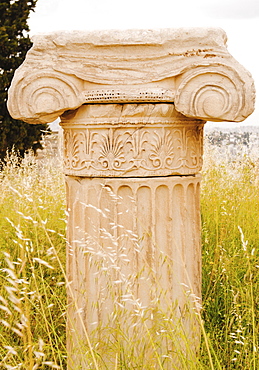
(230, 220)
(32, 227)
(33, 285)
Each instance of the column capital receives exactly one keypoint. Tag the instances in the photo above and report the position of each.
(188, 67)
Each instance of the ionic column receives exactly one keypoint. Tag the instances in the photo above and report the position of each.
(132, 105)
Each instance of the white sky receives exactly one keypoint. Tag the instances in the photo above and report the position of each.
(239, 18)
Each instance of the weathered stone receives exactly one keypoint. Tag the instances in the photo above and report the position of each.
(133, 105)
(190, 67)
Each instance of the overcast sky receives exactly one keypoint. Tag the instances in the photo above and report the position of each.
(239, 18)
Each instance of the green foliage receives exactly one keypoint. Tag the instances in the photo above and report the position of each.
(14, 44)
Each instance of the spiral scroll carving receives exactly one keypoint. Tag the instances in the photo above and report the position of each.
(214, 94)
(43, 96)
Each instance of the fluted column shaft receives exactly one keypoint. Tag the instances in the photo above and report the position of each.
(134, 219)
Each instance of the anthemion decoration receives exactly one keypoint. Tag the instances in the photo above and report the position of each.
(132, 106)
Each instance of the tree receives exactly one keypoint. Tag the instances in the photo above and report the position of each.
(14, 44)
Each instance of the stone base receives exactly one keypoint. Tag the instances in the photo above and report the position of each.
(134, 263)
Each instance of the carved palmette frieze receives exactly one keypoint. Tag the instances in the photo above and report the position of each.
(149, 150)
(78, 149)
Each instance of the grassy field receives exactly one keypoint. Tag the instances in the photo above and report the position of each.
(33, 285)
